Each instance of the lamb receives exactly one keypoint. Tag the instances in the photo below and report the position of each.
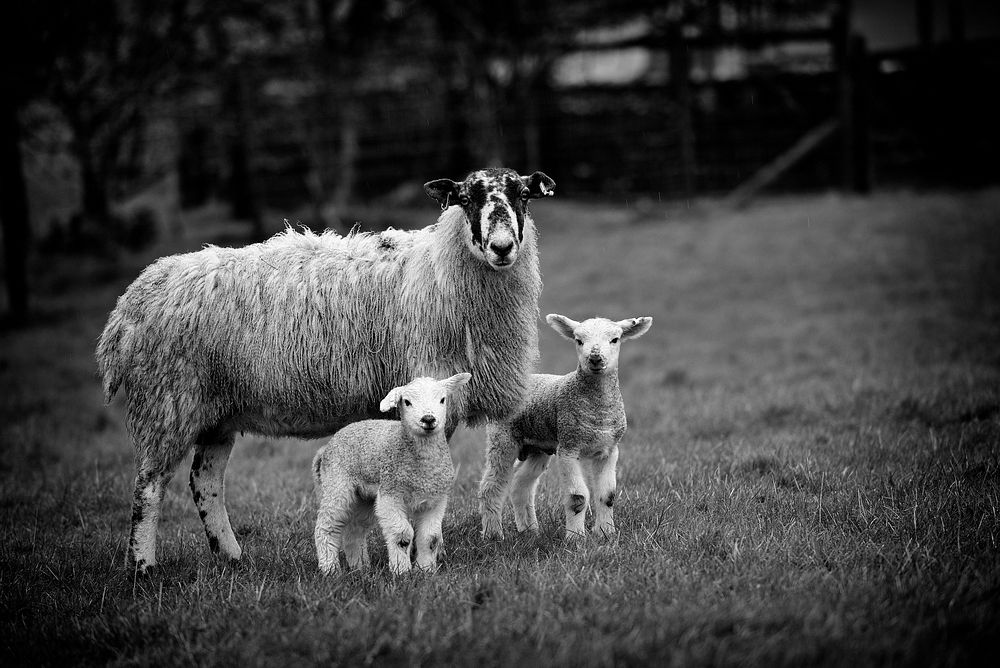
(301, 334)
(579, 417)
(397, 472)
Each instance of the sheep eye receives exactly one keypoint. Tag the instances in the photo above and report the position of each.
(614, 340)
(464, 199)
(442, 400)
(579, 342)
(407, 402)
(524, 195)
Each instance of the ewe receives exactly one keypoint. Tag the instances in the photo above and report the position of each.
(399, 473)
(580, 417)
(301, 334)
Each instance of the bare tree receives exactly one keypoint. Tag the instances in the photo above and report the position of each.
(110, 62)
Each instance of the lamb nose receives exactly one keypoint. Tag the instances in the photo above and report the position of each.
(502, 249)
(429, 420)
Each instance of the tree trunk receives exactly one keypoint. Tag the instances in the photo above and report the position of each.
(14, 210)
(350, 118)
(455, 155)
(680, 80)
(242, 190)
(532, 124)
(487, 147)
(95, 189)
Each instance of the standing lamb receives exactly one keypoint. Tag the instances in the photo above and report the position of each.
(299, 336)
(580, 417)
(397, 472)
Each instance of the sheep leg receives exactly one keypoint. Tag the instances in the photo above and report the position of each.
(391, 514)
(604, 493)
(149, 488)
(355, 533)
(336, 511)
(429, 540)
(502, 449)
(575, 494)
(208, 473)
(524, 488)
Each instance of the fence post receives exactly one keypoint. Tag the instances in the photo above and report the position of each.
(861, 113)
(680, 72)
(851, 62)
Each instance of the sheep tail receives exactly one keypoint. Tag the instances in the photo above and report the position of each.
(111, 358)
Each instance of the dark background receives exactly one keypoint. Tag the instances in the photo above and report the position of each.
(117, 115)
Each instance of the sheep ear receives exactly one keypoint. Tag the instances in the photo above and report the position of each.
(390, 400)
(444, 191)
(562, 324)
(633, 328)
(456, 381)
(539, 185)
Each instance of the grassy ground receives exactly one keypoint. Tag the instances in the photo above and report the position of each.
(810, 474)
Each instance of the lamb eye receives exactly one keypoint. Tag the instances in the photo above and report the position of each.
(614, 340)
(442, 400)
(464, 199)
(407, 402)
(524, 195)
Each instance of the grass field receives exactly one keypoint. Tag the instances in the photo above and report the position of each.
(810, 475)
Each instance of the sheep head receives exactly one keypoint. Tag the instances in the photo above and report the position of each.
(495, 202)
(598, 340)
(423, 403)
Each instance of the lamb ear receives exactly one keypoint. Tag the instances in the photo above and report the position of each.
(562, 324)
(539, 185)
(633, 328)
(456, 381)
(444, 191)
(390, 400)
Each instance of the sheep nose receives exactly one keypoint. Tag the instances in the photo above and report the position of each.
(428, 420)
(502, 249)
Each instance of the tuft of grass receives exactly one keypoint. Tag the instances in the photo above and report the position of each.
(810, 474)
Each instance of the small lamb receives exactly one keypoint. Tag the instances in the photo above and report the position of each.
(399, 473)
(580, 417)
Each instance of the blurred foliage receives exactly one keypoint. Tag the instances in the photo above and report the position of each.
(108, 67)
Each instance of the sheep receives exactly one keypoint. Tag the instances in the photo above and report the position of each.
(579, 417)
(298, 336)
(399, 473)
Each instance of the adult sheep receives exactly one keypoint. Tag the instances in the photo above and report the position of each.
(303, 333)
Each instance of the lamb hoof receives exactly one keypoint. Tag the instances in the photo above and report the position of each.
(143, 568)
(491, 530)
(491, 534)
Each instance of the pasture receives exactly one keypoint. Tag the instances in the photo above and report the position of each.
(810, 474)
